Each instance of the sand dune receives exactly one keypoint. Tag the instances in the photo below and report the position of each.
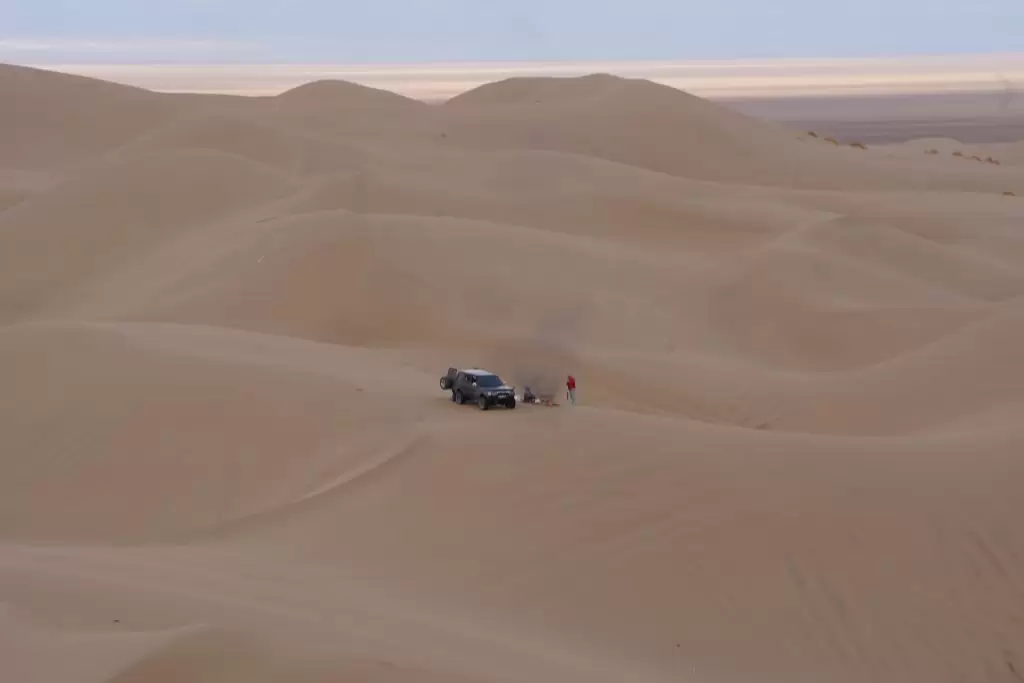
(282, 148)
(224, 455)
(60, 118)
(344, 95)
(653, 126)
(53, 243)
(959, 383)
(298, 410)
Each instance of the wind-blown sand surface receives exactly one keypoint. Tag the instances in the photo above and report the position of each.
(224, 455)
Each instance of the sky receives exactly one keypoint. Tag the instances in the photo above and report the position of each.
(415, 31)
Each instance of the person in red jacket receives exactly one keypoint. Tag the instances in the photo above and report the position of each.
(570, 385)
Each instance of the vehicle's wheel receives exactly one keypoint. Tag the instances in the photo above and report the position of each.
(453, 397)
(511, 404)
(482, 402)
(458, 397)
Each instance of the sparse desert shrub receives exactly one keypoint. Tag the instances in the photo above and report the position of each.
(832, 140)
(958, 154)
(992, 161)
(812, 133)
(931, 151)
(975, 158)
(858, 145)
(1009, 194)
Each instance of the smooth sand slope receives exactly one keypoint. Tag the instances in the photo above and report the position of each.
(224, 455)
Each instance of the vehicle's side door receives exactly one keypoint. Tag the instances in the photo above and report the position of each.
(470, 389)
(462, 384)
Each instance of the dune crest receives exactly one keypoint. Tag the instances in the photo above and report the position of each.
(344, 95)
(225, 457)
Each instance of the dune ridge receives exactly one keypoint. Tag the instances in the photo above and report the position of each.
(224, 455)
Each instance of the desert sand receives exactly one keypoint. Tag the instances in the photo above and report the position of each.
(225, 457)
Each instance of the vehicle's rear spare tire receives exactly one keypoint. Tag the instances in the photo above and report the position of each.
(446, 383)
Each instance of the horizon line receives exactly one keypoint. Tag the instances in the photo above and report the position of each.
(730, 78)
